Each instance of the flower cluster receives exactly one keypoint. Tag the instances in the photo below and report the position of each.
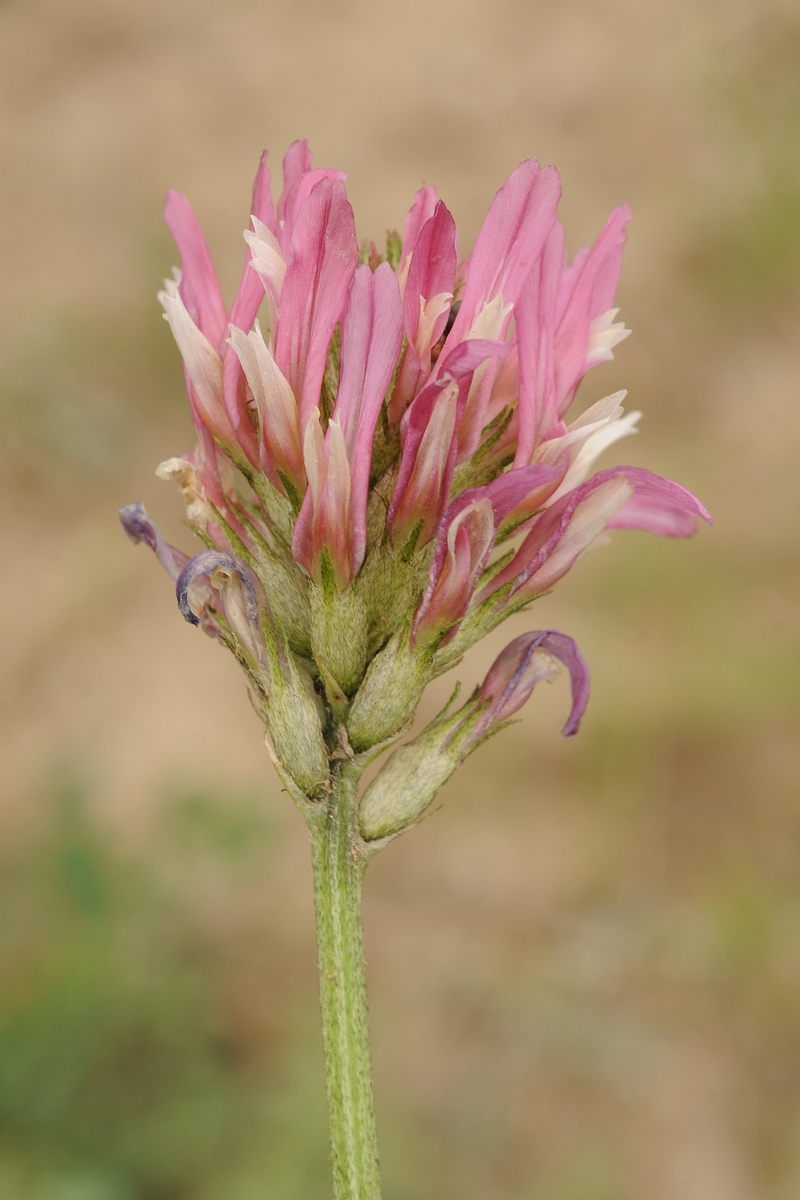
(384, 471)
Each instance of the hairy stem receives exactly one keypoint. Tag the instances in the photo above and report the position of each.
(339, 863)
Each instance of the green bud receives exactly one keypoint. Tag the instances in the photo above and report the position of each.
(339, 634)
(389, 695)
(288, 596)
(408, 783)
(296, 730)
(390, 587)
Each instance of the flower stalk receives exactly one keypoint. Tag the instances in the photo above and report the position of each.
(339, 858)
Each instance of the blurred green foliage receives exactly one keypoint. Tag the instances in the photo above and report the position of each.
(122, 1076)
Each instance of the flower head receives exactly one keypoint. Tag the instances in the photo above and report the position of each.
(384, 469)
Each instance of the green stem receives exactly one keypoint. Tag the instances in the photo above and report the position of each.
(339, 862)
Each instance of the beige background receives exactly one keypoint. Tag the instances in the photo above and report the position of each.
(585, 969)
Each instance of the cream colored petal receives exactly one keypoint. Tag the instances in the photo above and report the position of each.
(604, 335)
(606, 409)
(429, 313)
(587, 425)
(314, 456)
(203, 364)
(593, 447)
(338, 467)
(271, 390)
(489, 321)
(266, 256)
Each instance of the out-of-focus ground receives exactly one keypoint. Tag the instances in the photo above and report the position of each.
(585, 969)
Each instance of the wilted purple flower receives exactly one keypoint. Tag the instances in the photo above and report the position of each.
(526, 661)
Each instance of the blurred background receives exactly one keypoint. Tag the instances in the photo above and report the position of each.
(585, 969)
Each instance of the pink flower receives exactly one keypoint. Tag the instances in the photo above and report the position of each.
(466, 538)
(334, 513)
(620, 498)
(430, 444)
(427, 297)
(377, 432)
(196, 312)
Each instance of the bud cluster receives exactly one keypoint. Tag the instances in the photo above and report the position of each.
(384, 471)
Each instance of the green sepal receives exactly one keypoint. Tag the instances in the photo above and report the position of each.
(339, 704)
(410, 780)
(295, 726)
(294, 497)
(237, 545)
(481, 469)
(390, 693)
(277, 508)
(339, 630)
(394, 248)
(390, 588)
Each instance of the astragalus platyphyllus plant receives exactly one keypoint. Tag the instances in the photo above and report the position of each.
(384, 472)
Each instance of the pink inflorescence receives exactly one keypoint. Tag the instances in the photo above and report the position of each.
(391, 421)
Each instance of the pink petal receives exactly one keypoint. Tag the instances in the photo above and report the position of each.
(592, 295)
(508, 247)
(280, 451)
(296, 163)
(451, 581)
(655, 490)
(205, 459)
(509, 490)
(234, 396)
(468, 356)
(199, 287)
(243, 313)
(324, 519)
(332, 515)
(569, 277)
(372, 334)
(419, 214)
(431, 273)
(427, 464)
(261, 205)
(306, 542)
(250, 292)
(432, 269)
(504, 494)
(554, 542)
(509, 243)
(297, 198)
(659, 506)
(535, 323)
(323, 260)
(201, 364)
(462, 551)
